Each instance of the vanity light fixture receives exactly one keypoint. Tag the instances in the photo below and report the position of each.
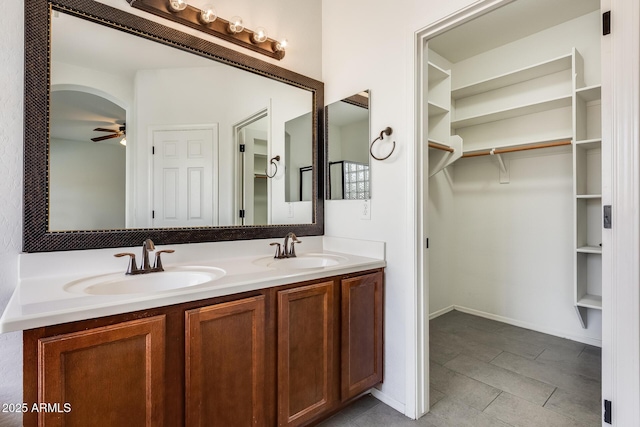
(235, 25)
(177, 5)
(281, 45)
(259, 35)
(208, 14)
(206, 20)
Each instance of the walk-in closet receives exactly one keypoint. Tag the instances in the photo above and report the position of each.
(512, 121)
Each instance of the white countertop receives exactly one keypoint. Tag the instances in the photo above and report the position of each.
(40, 299)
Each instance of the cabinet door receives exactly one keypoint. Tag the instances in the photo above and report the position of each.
(305, 352)
(361, 335)
(225, 364)
(108, 376)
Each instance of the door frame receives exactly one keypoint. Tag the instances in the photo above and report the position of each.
(621, 190)
(421, 156)
(238, 184)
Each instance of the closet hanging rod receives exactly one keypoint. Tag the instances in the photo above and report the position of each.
(519, 148)
(440, 147)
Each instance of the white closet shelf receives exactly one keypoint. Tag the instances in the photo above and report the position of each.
(587, 178)
(518, 76)
(435, 109)
(590, 301)
(589, 144)
(522, 110)
(590, 93)
(436, 73)
(590, 250)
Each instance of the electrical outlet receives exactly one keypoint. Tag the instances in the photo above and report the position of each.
(366, 209)
(290, 212)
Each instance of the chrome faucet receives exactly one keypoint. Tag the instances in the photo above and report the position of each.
(147, 246)
(292, 251)
(145, 267)
(287, 250)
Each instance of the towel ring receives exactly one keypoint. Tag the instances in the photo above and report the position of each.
(387, 131)
(266, 172)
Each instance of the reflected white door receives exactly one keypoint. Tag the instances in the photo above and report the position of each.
(183, 178)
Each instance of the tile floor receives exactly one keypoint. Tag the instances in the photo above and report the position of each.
(487, 373)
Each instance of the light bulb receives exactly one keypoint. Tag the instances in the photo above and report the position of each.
(280, 45)
(177, 5)
(259, 35)
(236, 25)
(208, 14)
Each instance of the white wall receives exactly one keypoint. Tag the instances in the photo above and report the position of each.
(375, 51)
(120, 87)
(89, 190)
(513, 243)
(11, 131)
(303, 56)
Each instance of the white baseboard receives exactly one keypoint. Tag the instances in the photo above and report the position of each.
(441, 312)
(526, 325)
(389, 401)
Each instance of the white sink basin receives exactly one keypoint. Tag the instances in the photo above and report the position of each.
(119, 283)
(305, 261)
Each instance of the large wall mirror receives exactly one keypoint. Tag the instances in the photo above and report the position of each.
(347, 133)
(137, 130)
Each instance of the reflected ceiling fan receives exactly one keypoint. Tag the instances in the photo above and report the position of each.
(120, 133)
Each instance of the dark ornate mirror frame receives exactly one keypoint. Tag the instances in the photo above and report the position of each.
(36, 236)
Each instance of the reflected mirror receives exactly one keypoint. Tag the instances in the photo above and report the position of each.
(347, 133)
(156, 133)
(179, 111)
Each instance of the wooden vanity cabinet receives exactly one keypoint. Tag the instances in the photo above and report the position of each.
(285, 356)
(225, 364)
(307, 333)
(361, 334)
(165, 366)
(109, 375)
